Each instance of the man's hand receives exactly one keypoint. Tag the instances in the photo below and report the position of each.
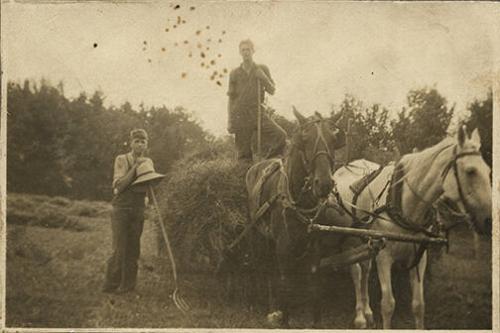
(266, 80)
(124, 181)
(261, 75)
(140, 160)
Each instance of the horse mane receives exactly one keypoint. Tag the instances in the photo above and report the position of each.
(426, 156)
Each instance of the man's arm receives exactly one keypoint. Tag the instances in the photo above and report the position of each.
(231, 92)
(264, 75)
(230, 128)
(122, 177)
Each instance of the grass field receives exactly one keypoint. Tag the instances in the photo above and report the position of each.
(55, 272)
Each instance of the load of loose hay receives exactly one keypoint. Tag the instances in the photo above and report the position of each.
(204, 205)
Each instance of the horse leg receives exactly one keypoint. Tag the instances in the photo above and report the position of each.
(271, 283)
(279, 317)
(270, 297)
(388, 303)
(365, 292)
(417, 290)
(356, 272)
(314, 283)
(476, 240)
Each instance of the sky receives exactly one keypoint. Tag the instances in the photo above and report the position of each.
(316, 51)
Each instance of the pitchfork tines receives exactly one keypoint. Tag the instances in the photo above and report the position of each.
(179, 302)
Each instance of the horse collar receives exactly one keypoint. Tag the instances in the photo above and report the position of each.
(394, 203)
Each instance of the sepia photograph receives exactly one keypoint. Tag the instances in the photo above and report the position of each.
(249, 165)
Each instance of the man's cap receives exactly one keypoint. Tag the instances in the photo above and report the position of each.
(138, 133)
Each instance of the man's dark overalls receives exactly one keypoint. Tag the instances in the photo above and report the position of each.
(127, 223)
(243, 91)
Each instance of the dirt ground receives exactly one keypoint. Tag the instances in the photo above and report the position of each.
(54, 277)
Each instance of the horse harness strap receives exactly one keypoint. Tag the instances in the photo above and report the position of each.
(453, 165)
(266, 174)
(394, 204)
(283, 194)
(357, 188)
(320, 138)
(395, 212)
(306, 215)
(360, 185)
(392, 207)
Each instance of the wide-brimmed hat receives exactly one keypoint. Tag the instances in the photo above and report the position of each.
(146, 174)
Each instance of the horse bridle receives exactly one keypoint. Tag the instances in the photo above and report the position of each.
(320, 138)
(453, 165)
(309, 165)
(303, 214)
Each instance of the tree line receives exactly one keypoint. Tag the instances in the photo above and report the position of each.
(421, 123)
(62, 146)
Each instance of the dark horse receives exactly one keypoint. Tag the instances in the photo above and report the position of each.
(285, 196)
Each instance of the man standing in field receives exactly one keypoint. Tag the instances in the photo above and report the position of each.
(127, 217)
(244, 99)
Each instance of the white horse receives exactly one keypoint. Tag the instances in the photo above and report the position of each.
(452, 168)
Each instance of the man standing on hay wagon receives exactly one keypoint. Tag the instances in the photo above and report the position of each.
(133, 173)
(248, 84)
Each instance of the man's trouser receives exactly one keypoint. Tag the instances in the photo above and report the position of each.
(273, 137)
(126, 225)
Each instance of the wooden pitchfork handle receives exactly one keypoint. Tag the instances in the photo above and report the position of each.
(259, 122)
(178, 301)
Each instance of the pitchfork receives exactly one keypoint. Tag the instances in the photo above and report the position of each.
(179, 302)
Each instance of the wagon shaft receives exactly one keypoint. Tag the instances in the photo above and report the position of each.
(379, 234)
(349, 257)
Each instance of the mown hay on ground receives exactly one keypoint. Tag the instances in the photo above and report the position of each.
(52, 212)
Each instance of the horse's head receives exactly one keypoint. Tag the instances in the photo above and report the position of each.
(467, 180)
(316, 139)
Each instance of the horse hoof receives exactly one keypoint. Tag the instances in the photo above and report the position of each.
(360, 323)
(275, 319)
(370, 321)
